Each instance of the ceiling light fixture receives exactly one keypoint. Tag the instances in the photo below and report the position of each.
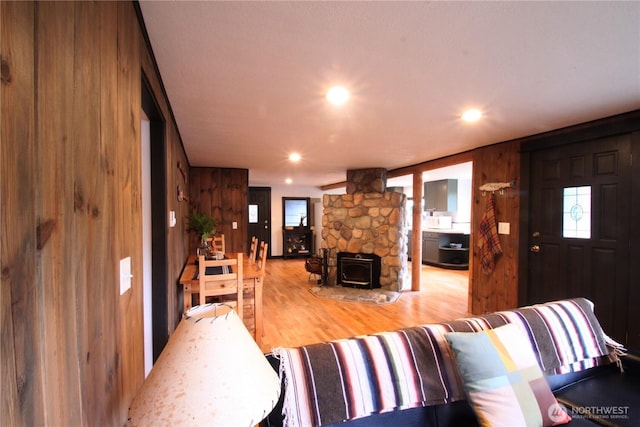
(288, 180)
(294, 157)
(471, 115)
(338, 95)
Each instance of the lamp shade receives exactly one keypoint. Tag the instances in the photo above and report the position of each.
(211, 372)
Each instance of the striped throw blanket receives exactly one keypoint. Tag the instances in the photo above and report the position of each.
(346, 379)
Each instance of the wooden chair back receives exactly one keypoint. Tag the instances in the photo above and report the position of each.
(253, 250)
(218, 244)
(262, 256)
(225, 280)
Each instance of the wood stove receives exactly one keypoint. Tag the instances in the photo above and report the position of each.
(358, 270)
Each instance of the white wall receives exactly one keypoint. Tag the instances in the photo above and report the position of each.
(277, 193)
(463, 214)
(461, 172)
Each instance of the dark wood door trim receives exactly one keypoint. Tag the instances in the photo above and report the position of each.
(633, 339)
(609, 126)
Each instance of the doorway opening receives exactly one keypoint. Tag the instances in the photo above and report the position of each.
(446, 221)
(156, 292)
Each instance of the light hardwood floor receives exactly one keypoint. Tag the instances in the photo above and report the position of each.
(294, 317)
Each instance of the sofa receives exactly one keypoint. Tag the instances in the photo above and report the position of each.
(423, 376)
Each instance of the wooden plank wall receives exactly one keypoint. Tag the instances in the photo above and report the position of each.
(22, 372)
(222, 193)
(70, 181)
(498, 290)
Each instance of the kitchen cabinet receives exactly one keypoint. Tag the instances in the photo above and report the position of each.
(453, 251)
(441, 196)
(430, 246)
(445, 249)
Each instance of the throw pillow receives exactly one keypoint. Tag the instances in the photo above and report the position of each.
(502, 379)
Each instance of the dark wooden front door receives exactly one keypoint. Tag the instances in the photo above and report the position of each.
(597, 264)
(260, 215)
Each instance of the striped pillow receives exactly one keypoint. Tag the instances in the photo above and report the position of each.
(502, 379)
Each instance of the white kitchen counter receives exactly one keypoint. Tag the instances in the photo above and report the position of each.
(456, 230)
(447, 230)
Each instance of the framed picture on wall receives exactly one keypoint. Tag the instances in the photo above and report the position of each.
(295, 211)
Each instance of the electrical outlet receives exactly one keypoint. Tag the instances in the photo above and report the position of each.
(234, 225)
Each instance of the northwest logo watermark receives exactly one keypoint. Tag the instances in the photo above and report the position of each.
(605, 412)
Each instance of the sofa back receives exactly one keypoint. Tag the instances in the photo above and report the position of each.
(565, 336)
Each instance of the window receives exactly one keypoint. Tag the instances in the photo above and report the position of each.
(576, 212)
(253, 214)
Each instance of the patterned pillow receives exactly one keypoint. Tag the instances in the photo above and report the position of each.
(502, 379)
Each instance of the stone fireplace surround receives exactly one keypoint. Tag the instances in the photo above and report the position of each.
(367, 220)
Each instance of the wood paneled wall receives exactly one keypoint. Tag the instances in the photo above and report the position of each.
(222, 193)
(498, 290)
(70, 181)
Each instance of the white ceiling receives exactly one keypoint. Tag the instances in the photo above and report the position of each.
(246, 80)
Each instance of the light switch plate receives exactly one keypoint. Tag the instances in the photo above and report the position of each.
(125, 275)
(234, 225)
(504, 228)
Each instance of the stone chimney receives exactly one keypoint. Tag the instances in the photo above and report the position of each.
(367, 220)
(372, 180)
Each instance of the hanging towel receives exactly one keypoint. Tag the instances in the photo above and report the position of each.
(488, 240)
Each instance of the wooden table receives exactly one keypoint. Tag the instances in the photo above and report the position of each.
(252, 292)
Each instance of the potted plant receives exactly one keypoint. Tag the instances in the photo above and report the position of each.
(204, 225)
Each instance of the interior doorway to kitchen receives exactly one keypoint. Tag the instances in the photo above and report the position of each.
(446, 222)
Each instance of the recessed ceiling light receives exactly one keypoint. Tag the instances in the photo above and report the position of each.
(338, 95)
(294, 157)
(288, 180)
(471, 115)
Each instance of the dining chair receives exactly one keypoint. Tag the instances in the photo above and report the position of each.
(262, 257)
(218, 244)
(253, 250)
(220, 278)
